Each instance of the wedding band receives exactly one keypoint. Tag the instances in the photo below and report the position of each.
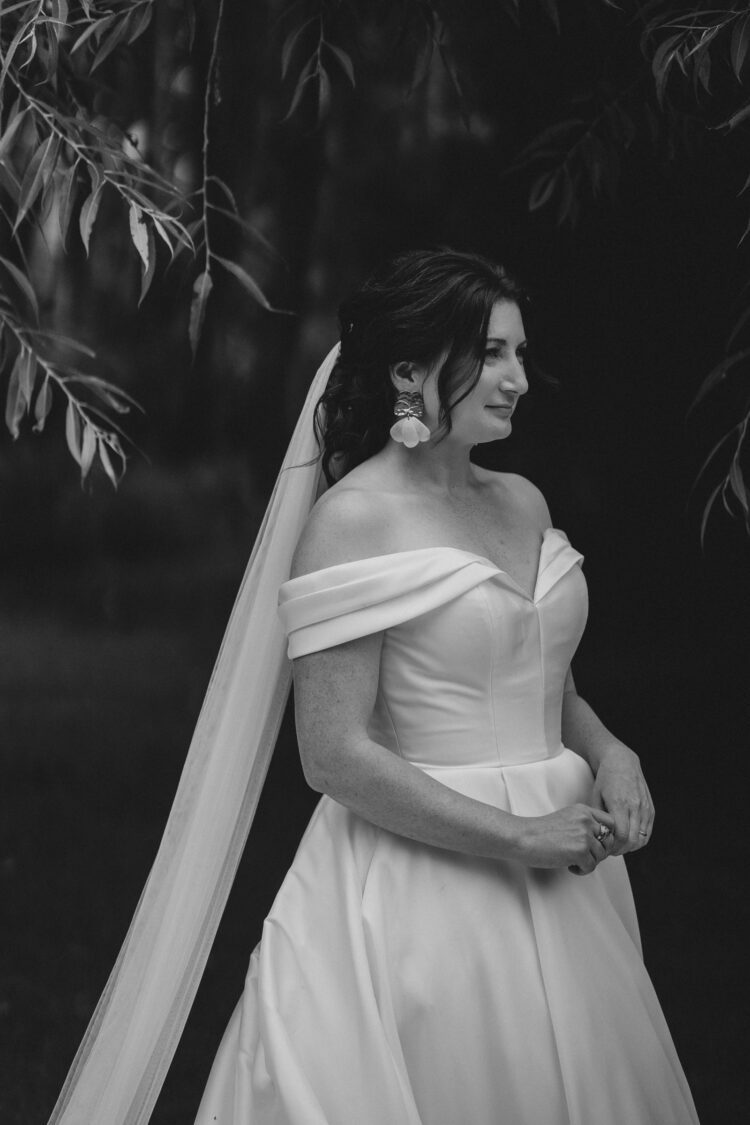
(602, 833)
(642, 833)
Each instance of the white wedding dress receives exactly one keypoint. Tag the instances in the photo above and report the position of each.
(402, 984)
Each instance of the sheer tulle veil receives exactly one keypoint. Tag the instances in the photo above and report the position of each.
(121, 1064)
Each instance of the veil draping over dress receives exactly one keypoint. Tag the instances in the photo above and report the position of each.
(123, 1059)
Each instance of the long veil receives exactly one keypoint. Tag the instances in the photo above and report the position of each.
(121, 1064)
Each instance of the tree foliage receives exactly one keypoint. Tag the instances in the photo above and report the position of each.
(59, 157)
(680, 90)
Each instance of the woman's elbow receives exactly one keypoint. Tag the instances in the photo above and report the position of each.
(320, 765)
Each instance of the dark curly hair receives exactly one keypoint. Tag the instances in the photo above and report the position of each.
(417, 307)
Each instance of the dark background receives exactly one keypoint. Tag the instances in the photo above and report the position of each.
(112, 604)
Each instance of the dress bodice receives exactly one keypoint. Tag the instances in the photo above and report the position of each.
(472, 666)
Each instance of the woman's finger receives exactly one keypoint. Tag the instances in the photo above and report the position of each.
(621, 815)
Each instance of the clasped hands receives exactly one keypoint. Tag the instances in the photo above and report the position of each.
(621, 790)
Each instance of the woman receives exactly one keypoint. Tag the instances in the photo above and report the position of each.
(456, 939)
(431, 957)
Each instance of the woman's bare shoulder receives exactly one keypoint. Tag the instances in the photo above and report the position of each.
(351, 521)
(518, 493)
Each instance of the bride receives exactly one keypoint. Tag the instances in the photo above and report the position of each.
(456, 938)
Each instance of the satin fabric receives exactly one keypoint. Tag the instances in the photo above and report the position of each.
(401, 984)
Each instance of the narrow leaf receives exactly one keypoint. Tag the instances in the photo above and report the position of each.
(245, 280)
(73, 432)
(738, 117)
(290, 43)
(34, 178)
(297, 98)
(87, 218)
(541, 191)
(139, 233)
(66, 201)
(737, 483)
(148, 269)
(324, 94)
(15, 407)
(23, 284)
(88, 449)
(109, 43)
(106, 462)
(42, 405)
(26, 376)
(141, 23)
(201, 291)
(707, 512)
(345, 60)
(15, 121)
(717, 375)
(739, 44)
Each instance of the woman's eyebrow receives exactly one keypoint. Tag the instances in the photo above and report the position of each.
(500, 340)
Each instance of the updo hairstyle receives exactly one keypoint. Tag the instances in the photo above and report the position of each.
(416, 307)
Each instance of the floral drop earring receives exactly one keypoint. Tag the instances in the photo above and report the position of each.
(409, 408)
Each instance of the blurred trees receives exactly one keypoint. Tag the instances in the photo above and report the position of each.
(173, 172)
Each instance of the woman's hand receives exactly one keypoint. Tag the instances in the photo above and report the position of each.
(567, 838)
(620, 789)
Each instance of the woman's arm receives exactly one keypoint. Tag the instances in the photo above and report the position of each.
(619, 785)
(334, 692)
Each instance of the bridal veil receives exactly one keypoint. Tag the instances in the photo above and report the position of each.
(122, 1062)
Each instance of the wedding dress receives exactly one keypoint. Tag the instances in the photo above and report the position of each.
(402, 984)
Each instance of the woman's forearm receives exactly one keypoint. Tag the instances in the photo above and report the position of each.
(585, 733)
(394, 794)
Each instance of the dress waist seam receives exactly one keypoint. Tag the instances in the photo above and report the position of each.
(487, 765)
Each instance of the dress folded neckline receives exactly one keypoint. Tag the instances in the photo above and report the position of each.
(530, 596)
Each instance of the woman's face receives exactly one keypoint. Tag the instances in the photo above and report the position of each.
(485, 413)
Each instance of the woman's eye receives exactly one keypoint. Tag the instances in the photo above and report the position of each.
(522, 356)
(492, 352)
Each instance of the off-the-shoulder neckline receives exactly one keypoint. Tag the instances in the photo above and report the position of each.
(455, 550)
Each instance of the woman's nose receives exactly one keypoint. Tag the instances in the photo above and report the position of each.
(515, 379)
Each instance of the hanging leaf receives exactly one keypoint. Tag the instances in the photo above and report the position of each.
(149, 269)
(201, 291)
(73, 431)
(38, 169)
(737, 484)
(717, 375)
(15, 406)
(664, 56)
(42, 405)
(87, 218)
(707, 512)
(106, 462)
(140, 23)
(109, 44)
(94, 30)
(290, 43)
(345, 60)
(324, 94)
(541, 190)
(306, 76)
(26, 376)
(738, 117)
(139, 233)
(23, 284)
(246, 281)
(88, 449)
(66, 201)
(16, 119)
(739, 45)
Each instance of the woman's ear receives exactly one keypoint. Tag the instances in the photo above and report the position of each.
(404, 375)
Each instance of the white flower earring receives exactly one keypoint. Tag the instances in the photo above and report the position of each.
(409, 408)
